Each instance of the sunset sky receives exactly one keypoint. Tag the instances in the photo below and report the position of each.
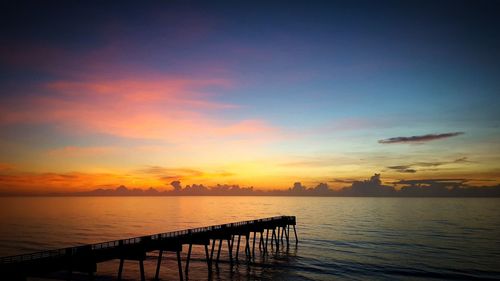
(97, 95)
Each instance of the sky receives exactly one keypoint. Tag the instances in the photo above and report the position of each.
(254, 93)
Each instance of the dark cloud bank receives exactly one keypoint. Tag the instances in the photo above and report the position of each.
(369, 188)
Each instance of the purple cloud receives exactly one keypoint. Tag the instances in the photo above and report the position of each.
(422, 138)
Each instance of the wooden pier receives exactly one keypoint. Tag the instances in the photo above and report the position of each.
(273, 231)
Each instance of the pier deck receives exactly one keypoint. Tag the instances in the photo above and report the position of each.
(273, 230)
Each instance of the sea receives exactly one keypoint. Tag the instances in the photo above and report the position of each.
(340, 238)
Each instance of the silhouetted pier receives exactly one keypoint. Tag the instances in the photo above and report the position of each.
(274, 231)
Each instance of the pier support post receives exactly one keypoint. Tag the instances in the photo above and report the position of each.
(278, 239)
(141, 268)
(247, 245)
(212, 251)
(218, 251)
(283, 233)
(253, 243)
(296, 238)
(261, 242)
(179, 264)
(70, 274)
(267, 237)
(230, 250)
(209, 262)
(238, 246)
(120, 269)
(188, 258)
(287, 235)
(158, 264)
(273, 237)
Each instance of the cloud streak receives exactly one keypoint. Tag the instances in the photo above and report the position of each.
(419, 139)
(79, 151)
(153, 107)
(5, 167)
(411, 168)
(166, 174)
(402, 169)
(37, 183)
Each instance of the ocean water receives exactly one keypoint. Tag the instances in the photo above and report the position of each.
(340, 238)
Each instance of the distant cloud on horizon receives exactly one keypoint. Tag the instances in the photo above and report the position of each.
(451, 181)
(374, 186)
(422, 138)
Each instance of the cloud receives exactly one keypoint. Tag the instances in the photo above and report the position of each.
(419, 139)
(342, 180)
(462, 160)
(162, 107)
(402, 169)
(440, 163)
(439, 187)
(48, 182)
(6, 167)
(32, 182)
(159, 170)
(166, 174)
(176, 185)
(371, 187)
(454, 187)
(411, 168)
(432, 181)
(113, 88)
(171, 174)
(79, 151)
(75, 183)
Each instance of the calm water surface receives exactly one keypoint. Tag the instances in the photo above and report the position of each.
(340, 238)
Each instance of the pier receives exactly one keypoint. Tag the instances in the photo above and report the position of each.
(259, 237)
